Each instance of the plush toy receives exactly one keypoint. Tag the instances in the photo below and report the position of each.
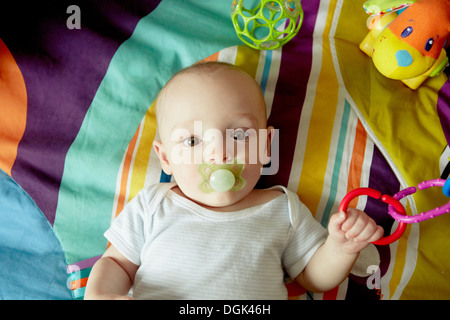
(407, 41)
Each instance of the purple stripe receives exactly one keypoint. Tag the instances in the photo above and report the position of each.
(290, 92)
(443, 109)
(383, 179)
(62, 69)
(82, 264)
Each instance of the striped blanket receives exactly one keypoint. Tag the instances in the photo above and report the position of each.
(77, 123)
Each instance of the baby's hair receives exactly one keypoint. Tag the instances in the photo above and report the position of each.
(208, 67)
(204, 67)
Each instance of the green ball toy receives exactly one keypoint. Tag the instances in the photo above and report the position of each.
(269, 25)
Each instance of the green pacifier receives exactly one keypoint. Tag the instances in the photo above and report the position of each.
(221, 178)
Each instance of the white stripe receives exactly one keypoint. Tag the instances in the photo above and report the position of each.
(261, 66)
(228, 55)
(350, 134)
(118, 182)
(133, 159)
(316, 65)
(130, 172)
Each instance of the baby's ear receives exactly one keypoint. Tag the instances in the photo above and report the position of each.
(270, 133)
(161, 152)
(271, 152)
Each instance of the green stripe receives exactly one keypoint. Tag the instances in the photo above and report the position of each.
(337, 165)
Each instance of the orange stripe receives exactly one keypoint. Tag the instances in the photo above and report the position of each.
(354, 180)
(13, 108)
(213, 57)
(126, 172)
(77, 284)
(356, 163)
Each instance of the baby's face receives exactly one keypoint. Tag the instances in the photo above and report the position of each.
(207, 121)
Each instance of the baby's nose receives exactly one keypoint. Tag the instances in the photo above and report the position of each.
(219, 154)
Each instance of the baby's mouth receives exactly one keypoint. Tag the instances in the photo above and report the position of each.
(221, 178)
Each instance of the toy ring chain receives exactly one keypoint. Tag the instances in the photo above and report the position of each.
(445, 184)
(396, 209)
(385, 198)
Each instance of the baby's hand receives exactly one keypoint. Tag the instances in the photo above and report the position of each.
(353, 231)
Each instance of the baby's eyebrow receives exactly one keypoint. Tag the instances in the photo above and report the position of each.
(186, 125)
(251, 117)
(241, 120)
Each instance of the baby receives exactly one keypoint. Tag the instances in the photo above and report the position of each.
(212, 235)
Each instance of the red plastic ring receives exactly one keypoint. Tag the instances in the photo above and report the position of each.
(385, 198)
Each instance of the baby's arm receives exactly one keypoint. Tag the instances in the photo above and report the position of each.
(331, 264)
(111, 277)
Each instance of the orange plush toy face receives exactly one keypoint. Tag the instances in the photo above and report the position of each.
(410, 45)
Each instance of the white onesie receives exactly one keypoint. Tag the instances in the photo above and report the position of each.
(185, 251)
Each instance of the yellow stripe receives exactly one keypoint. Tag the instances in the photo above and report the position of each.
(400, 261)
(320, 133)
(143, 153)
(247, 59)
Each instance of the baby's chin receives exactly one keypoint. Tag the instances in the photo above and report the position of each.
(218, 201)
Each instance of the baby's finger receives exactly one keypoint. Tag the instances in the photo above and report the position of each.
(352, 218)
(359, 226)
(336, 221)
(368, 231)
(377, 234)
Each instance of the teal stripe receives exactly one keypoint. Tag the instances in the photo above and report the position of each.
(80, 274)
(165, 177)
(266, 71)
(176, 34)
(337, 165)
(78, 294)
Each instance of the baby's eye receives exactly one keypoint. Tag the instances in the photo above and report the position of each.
(191, 141)
(240, 134)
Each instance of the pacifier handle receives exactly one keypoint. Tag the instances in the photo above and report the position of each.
(385, 198)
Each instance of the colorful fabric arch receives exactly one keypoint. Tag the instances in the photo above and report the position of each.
(77, 124)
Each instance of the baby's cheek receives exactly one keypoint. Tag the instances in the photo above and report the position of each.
(185, 175)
